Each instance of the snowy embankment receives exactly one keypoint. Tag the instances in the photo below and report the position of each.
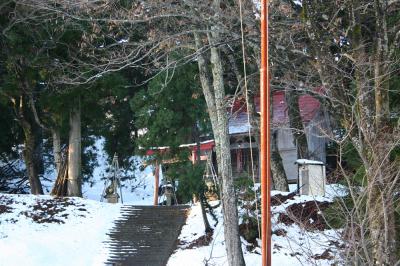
(193, 249)
(292, 243)
(41, 230)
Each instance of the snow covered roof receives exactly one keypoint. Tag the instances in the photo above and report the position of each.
(204, 145)
(238, 124)
(305, 161)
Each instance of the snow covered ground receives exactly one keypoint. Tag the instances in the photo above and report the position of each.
(38, 230)
(41, 231)
(212, 254)
(69, 232)
(294, 246)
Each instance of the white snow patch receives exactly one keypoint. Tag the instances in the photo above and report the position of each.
(335, 190)
(298, 2)
(295, 248)
(123, 40)
(305, 161)
(77, 241)
(138, 191)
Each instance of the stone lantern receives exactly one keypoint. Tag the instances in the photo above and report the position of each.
(168, 193)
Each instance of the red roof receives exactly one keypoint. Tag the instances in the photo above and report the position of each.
(308, 105)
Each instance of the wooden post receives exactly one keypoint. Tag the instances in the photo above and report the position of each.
(239, 164)
(265, 140)
(156, 182)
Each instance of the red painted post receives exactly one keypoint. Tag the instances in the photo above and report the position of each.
(265, 140)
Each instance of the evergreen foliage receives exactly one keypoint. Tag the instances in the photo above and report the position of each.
(190, 178)
(33, 66)
(172, 112)
(169, 108)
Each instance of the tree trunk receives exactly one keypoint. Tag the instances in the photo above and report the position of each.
(214, 97)
(296, 124)
(381, 67)
(29, 158)
(374, 143)
(38, 152)
(56, 149)
(32, 152)
(231, 220)
(202, 198)
(278, 172)
(74, 152)
(209, 96)
(30, 142)
(380, 204)
(382, 226)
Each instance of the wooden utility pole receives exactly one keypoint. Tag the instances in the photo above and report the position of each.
(265, 140)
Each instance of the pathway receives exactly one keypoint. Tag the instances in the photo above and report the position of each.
(145, 235)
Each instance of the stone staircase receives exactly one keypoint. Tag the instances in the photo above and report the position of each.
(145, 235)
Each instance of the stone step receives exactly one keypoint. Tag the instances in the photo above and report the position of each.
(145, 235)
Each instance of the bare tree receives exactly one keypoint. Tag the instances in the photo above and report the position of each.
(350, 50)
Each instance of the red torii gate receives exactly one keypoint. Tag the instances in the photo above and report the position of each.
(206, 146)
